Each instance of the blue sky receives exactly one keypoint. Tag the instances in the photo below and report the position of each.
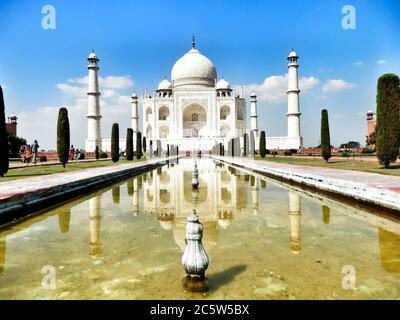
(139, 41)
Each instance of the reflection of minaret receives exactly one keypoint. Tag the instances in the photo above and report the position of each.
(2, 253)
(326, 214)
(254, 194)
(295, 220)
(95, 223)
(63, 220)
(135, 198)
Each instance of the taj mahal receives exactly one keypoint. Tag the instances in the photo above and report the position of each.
(195, 110)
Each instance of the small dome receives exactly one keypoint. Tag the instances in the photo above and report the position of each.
(370, 112)
(253, 94)
(134, 95)
(223, 84)
(194, 69)
(293, 54)
(13, 116)
(164, 85)
(92, 55)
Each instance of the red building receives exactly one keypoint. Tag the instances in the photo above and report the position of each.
(11, 125)
(371, 122)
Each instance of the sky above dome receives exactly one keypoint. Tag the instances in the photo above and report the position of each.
(138, 42)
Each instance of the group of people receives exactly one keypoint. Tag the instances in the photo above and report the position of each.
(29, 153)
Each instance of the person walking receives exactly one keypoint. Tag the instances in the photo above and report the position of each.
(34, 149)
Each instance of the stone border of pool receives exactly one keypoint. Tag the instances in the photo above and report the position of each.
(359, 192)
(45, 192)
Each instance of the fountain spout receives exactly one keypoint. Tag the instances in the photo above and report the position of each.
(195, 176)
(194, 259)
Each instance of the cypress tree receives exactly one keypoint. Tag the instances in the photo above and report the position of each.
(139, 144)
(115, 142)
(129, 144)
(4, 160)
(233, 147)
(144, 145)
(262, 150)
(388, 119)
(325, 136)
(245, 144)
(167, 150)
(63, 136)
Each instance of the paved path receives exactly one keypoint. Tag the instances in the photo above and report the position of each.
(18, 165)
(371, 188)
(9, 189)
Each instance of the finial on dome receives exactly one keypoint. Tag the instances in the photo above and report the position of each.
(193, 42)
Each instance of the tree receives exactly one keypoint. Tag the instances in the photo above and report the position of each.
(325, 136)
(139, 144)
(167, 150)
(263, 150)
(115, 142)
(245, 144)
(129, 144)
(4, 160)
(97, 153)
(144, 145)
(388, 119)
(15, 144)
(63, 136)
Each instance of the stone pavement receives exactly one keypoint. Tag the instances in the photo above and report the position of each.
(20, 164)
(370, 188)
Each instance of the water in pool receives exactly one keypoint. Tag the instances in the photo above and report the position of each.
(264, 241)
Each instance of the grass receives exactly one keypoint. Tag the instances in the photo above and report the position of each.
(41, 170)
(364, 166)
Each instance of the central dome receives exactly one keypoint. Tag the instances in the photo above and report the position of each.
(193, 69)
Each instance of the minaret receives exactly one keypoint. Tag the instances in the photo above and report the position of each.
(93, 116)
(135, 115)
(293, 91)
(253, 114)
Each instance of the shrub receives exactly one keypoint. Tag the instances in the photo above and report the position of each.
(103, 155)
(139, 144)
(81, 156)
(115, 142)
(388, 119)
(129, 144)
(293, 151)
(325, 136)
(288, 153)
(345, 154)
(245, 144)
(367, 151)
(96, 153)
(267, 151)
(274, 153)
(63, 136)
(262, 144)
(42, 158)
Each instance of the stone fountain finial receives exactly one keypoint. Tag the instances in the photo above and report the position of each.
(194, 259)
(195, 176)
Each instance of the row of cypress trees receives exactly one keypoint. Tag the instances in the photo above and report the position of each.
(129, 144)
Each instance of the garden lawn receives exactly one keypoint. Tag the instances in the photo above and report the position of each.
(348, 164)
(40, 170)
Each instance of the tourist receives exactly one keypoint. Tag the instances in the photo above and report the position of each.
(72, 152)
(22, 152)
(34, 149)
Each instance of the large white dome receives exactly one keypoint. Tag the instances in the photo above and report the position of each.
(193, 69)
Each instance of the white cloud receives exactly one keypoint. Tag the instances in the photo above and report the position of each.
(274, 88)
(381, 61)
(41, 123)
(335, 85)
(359, 63)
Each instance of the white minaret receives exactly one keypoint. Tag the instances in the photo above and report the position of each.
(293, 91)
(93, 116)
(135, 115)
(253, 114)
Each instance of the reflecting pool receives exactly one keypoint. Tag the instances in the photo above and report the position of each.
(264, 241)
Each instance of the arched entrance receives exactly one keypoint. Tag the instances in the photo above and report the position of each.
(194, 121)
